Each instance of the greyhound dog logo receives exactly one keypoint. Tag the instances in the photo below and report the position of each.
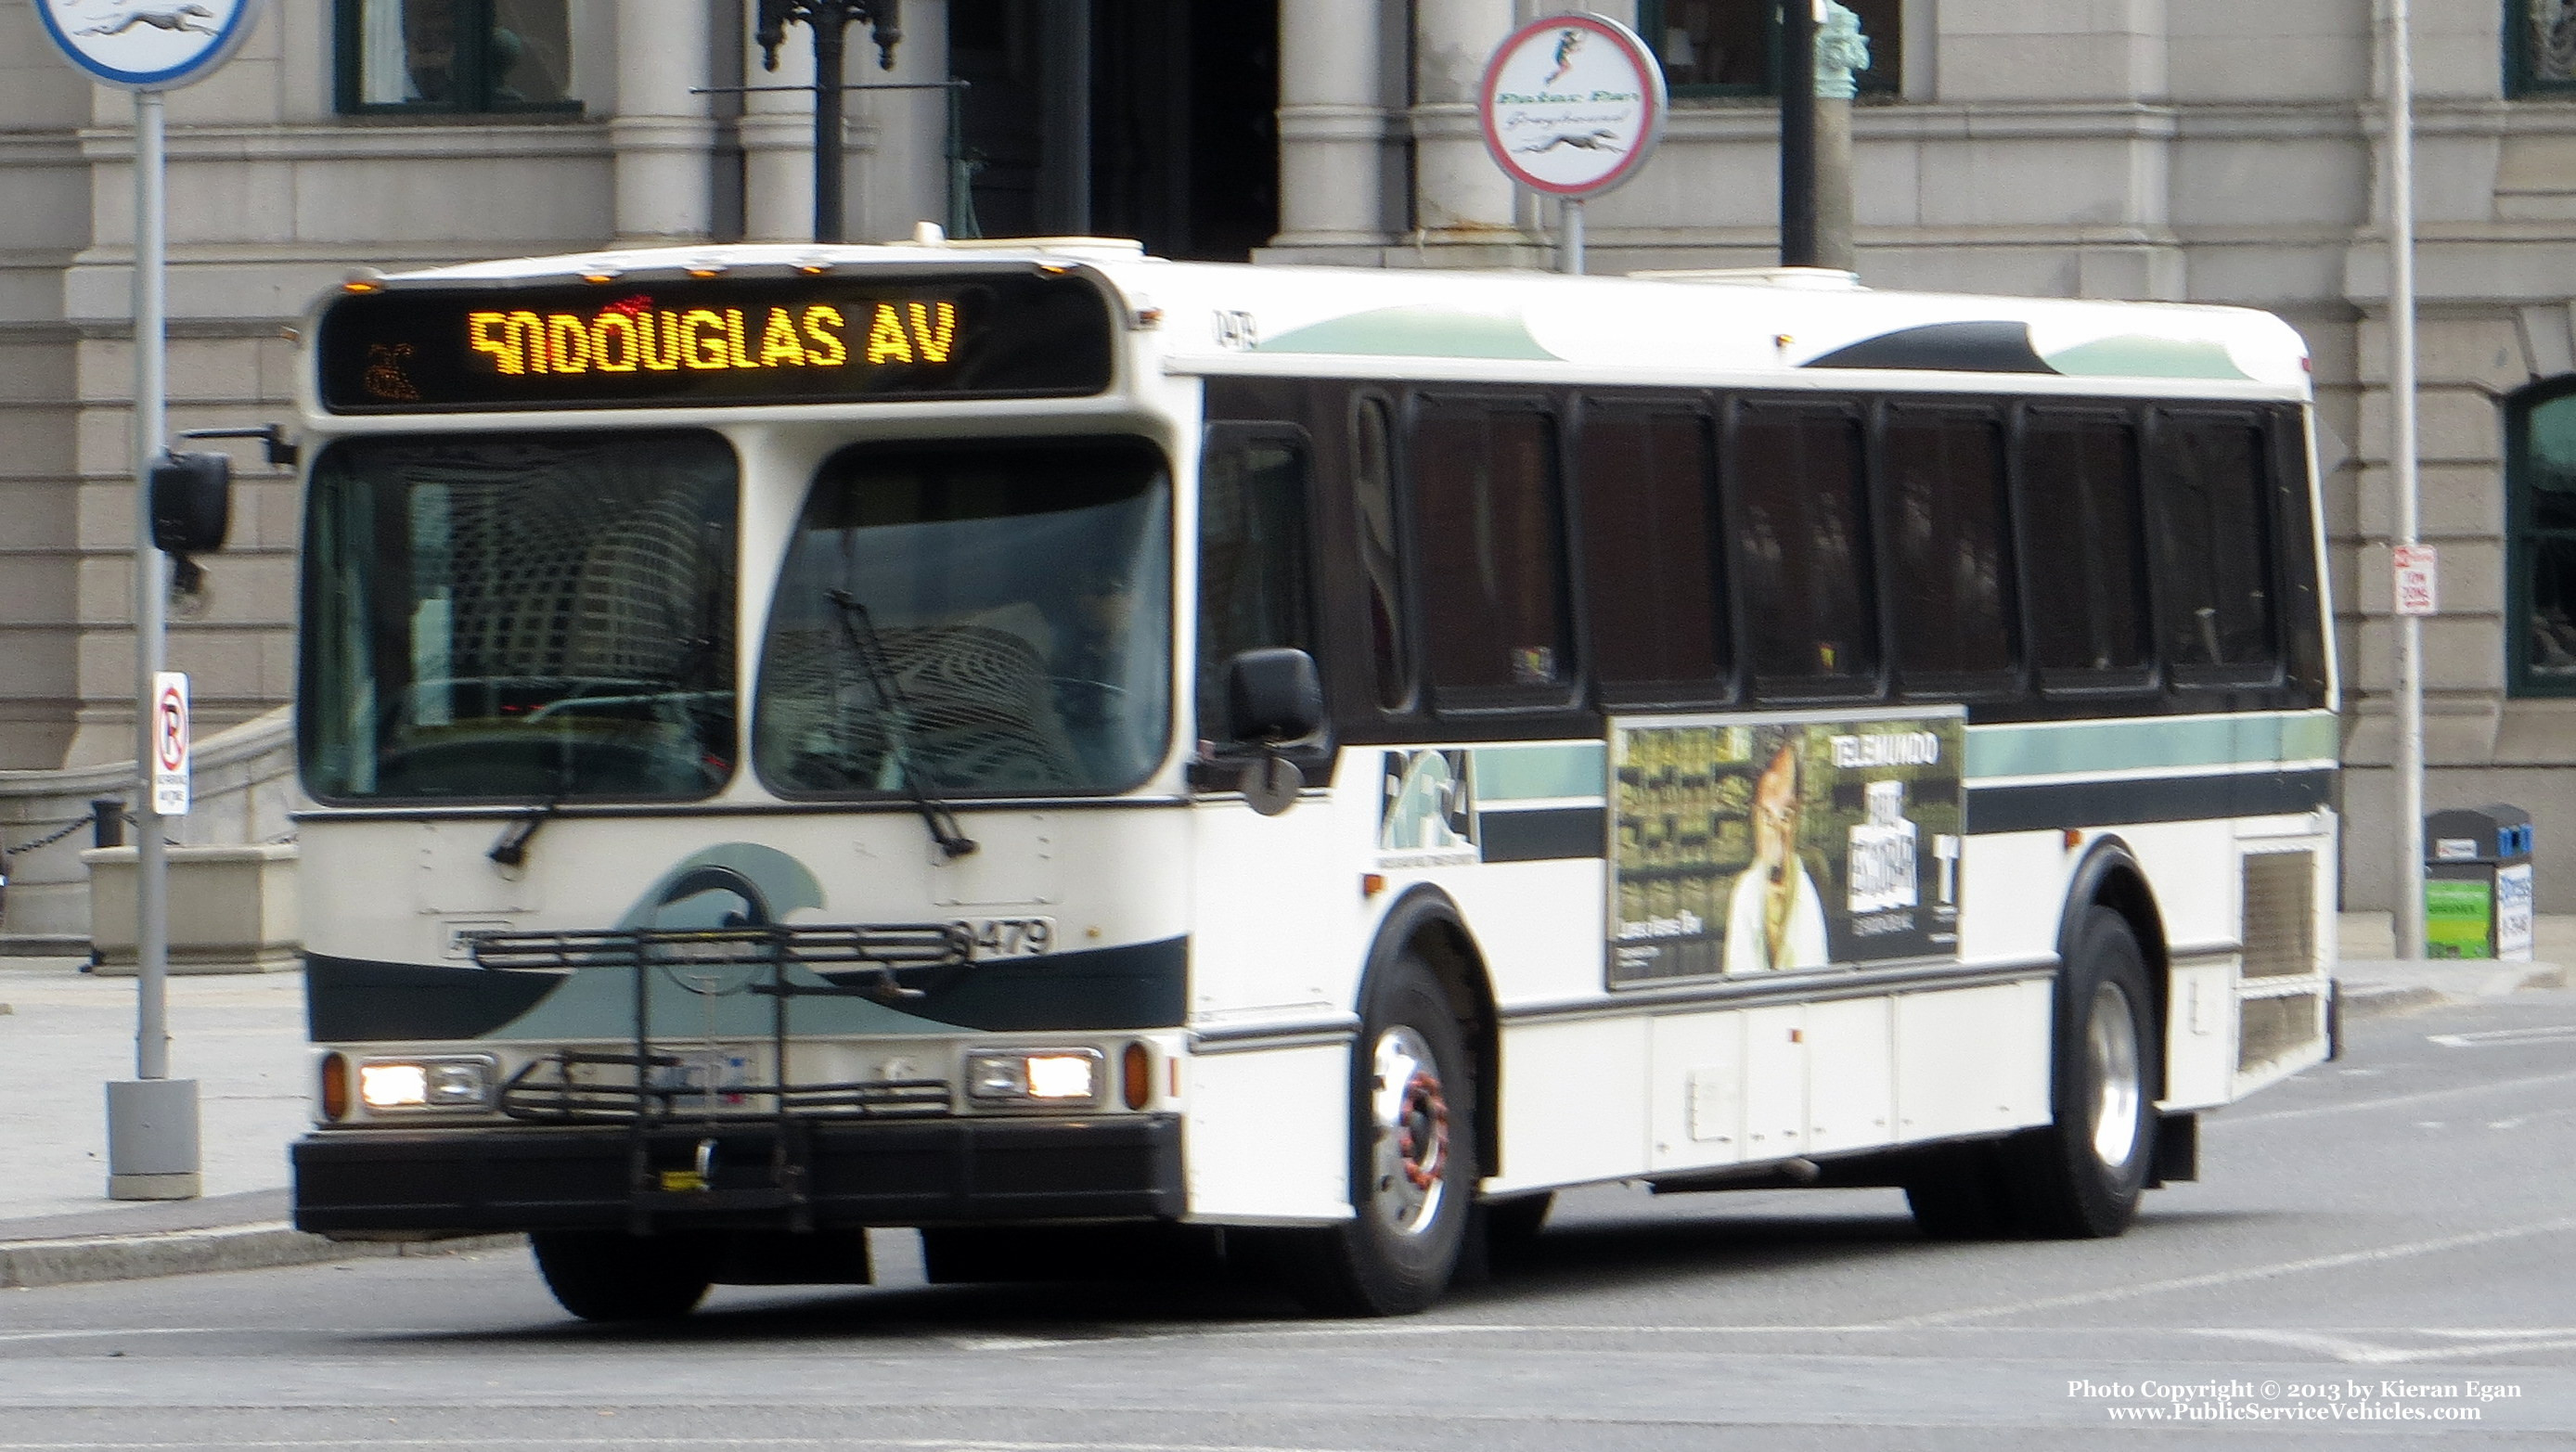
(190, 19)
(1598, 139)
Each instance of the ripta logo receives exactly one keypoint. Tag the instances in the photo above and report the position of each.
(1426, 810)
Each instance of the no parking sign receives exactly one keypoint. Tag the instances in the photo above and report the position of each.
(170, 743)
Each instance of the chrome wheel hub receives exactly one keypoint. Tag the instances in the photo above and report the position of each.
(1409, 1119)
(2117, 1088)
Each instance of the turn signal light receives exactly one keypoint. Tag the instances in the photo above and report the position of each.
(1137, 1070)
(335, 1087)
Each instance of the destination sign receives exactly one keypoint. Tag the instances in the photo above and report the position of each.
(714, 341)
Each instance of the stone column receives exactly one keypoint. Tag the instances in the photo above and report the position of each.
(663, 136)
(1333, 125)
(1463, 204)
(1842, 51)
(777, 130)
(898, 173)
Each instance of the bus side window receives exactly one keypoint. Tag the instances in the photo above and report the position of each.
(1487, 526)
(1373, 500)
(1803, 549)
(1943, 501)
(2209, 507)
(1653, 589)
(2303, 646)
(2082, 548)
(1253, 556)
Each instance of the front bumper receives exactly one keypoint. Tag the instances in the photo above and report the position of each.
(809, 1175)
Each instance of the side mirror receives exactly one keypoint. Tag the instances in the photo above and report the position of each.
(192, 503)
(1273, 695)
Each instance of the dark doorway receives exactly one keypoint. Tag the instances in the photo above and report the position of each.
(1181, 119)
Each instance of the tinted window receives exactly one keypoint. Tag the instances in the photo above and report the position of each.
(972, 620)
(1802, 543)
(1650, 580)
(519, 616)
(1486, 521)
(1252, 558)
(2213, 537)
(1946, 543)
(2542, 478)
(1373, 500)
(2081, 546)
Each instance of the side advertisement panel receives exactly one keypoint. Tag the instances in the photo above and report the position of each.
(1748, 844)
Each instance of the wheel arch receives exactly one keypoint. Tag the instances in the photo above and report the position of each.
(2110, 876)
(1426, 921)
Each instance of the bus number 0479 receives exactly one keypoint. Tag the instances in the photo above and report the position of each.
(1011, 937)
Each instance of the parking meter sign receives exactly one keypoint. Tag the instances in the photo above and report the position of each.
(170, 744)
(2418, 582)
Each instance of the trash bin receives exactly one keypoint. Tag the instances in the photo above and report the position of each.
(2477, 883)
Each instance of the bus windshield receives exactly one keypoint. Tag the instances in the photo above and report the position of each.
(520, 617)
(989, 619)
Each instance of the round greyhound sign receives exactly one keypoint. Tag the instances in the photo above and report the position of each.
(1572, 104)
(148, 45)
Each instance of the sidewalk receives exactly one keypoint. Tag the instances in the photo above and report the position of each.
(65, 1034)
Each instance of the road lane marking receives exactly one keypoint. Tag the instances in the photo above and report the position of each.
(900, 1444)
(117, 1331)
(2226, 1121)
(2505, 1038)
(2246, 1273)
(2372, 1353)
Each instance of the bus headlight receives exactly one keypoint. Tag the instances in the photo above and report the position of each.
(462, 1083)
(1034, 1076)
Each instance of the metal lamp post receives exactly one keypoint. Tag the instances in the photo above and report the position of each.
(828, 19)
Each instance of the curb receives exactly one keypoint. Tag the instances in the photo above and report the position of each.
(2478, 983)
(2383, 1000)
(78, 1260)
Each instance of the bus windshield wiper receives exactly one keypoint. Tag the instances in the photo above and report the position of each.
(864, 639)
(512, 849)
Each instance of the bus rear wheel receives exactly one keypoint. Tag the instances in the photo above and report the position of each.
(2081, 1177)
(605, 1276)
(1413, 1158)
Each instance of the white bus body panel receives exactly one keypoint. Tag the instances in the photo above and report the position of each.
(1266, 1138)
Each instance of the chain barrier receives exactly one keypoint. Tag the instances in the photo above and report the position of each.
(68, 828)
(50, 838)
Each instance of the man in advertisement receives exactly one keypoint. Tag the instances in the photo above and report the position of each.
(1776, 918)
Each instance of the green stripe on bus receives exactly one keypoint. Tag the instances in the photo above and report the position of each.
(1418, 331)
(1531, 773)
(2150, 743)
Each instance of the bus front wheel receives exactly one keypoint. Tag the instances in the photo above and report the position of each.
(605, 1276)
(1413, 1158)
(2080, 1178)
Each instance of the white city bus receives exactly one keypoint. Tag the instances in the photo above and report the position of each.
(1101, 759)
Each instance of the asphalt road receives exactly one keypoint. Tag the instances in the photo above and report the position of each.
(2377, 1250)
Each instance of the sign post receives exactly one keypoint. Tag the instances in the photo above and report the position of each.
(148, 49)
(1572, 106)
(2407, 915)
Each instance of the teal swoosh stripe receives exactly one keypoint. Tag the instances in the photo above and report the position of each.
(2150, 744)
(1418, 331)
(1531, 773)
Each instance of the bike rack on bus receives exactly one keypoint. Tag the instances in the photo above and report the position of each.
(905, 961)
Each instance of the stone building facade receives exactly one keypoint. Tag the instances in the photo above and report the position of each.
(2186, 150)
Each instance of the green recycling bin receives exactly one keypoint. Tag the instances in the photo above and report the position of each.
(2477, 883)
